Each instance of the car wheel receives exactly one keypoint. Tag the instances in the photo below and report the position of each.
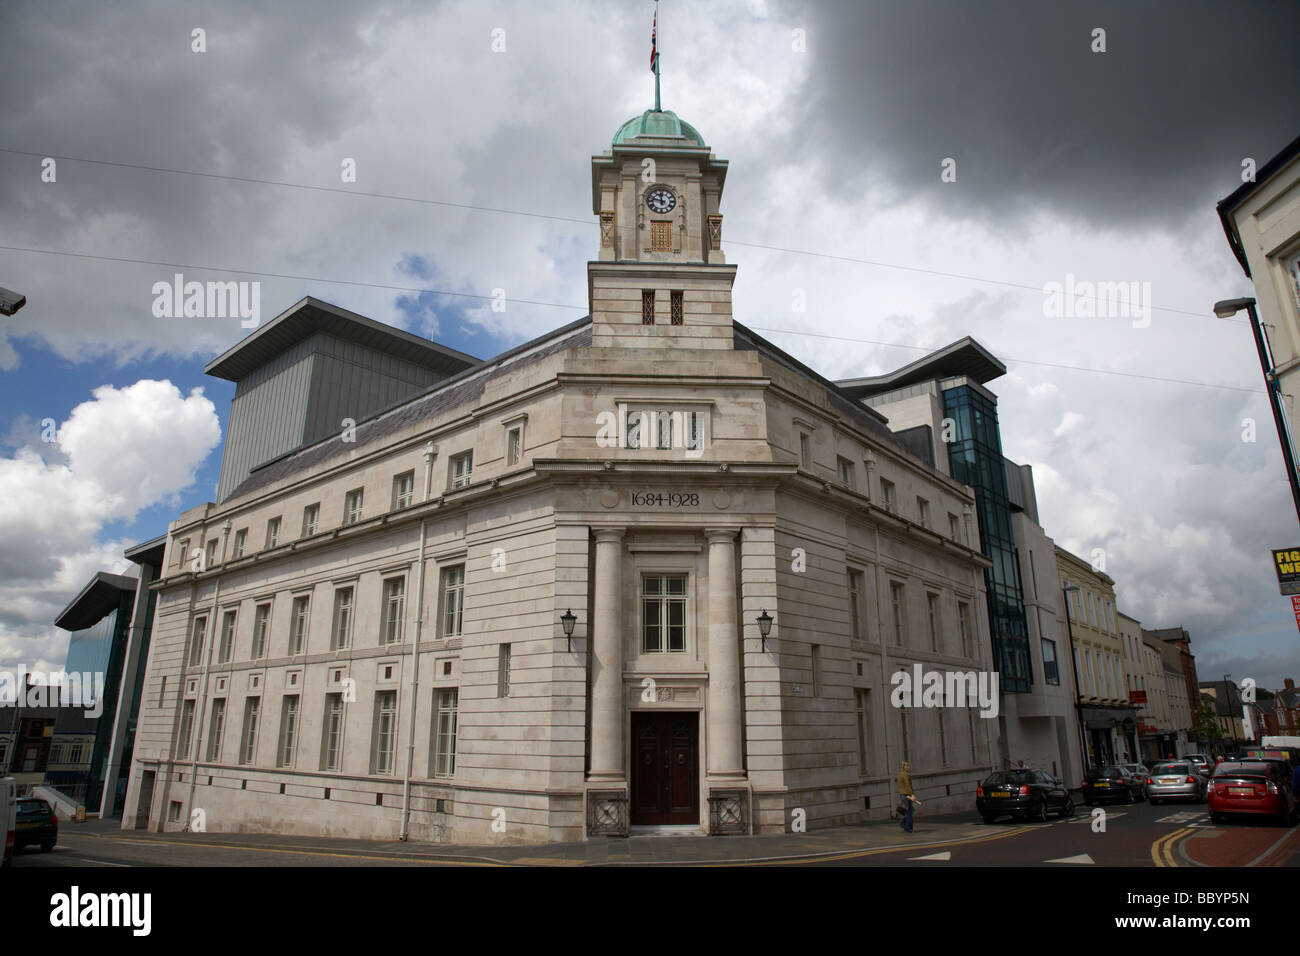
(1040, 811)
(1128, 797)
(1068, 809)
(989, 818)
(1216, 817)
(1155, 801)
(47, 847)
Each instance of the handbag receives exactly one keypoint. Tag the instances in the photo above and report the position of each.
(901, 809)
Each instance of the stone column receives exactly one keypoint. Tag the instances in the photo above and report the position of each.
(607, 659)
(724, 659)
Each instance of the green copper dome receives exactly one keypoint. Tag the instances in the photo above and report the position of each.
(657, 123)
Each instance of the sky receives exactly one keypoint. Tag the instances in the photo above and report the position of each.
(902, 174)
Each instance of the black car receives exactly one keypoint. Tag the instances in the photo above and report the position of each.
(1022, 793)
(1112, 784)
(36, 824)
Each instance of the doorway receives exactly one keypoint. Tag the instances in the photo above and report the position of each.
(665, 768)
(145, 804)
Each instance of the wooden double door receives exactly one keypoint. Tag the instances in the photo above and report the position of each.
(665, 768)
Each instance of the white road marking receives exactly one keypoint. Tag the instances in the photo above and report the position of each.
(945, 855)
(1081, 858)
(102, 862)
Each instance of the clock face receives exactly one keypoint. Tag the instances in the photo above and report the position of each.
(661, 200)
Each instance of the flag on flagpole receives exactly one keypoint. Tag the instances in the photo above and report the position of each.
(654, 44)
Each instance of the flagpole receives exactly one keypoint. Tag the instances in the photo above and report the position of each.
(654, 53)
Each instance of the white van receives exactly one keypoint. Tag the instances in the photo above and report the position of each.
(8, 815)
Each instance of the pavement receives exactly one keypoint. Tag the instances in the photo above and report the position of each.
(824, 845)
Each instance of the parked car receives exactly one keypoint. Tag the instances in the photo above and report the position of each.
(1112, 784)
(1201, 761)
(1255, 787)
(8, 817)
(1022, 793)
(37, 823)
(1178, 780)
(1138, 770)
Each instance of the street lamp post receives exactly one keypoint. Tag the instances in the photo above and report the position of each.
(1074, 669)
(1226, 309)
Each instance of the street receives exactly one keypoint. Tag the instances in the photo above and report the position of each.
(1138, 835)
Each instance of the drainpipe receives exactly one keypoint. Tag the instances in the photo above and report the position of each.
(203, 694)
(884, 679)
(430, 449)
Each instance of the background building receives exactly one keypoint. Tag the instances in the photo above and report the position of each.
(1105, 712)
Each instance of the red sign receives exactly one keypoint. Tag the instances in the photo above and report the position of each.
(1140, 696)
(1295, 606)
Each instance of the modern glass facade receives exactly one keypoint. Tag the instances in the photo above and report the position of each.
(975, 458)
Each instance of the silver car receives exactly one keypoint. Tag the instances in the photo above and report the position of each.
(1176, 780)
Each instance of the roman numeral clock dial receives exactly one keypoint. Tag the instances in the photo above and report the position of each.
(661, 200)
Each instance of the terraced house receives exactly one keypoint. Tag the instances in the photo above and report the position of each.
(645, 571)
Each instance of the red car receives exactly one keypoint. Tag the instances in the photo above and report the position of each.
(1250, 787)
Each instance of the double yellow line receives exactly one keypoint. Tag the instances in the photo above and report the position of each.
(1162, 851)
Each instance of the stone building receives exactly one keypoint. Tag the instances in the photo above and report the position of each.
(369, 635)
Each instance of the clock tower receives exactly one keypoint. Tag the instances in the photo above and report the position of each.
(661, 279)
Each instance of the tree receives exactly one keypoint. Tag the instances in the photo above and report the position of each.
(1206, 726)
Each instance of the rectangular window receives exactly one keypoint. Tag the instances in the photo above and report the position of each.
(462, 468)
(272, 532)
(248, 738)
(453, 600)
(310, 518)
(943, 740)
(633, 433)
(227, 644)
(332, 735)
(805, 450)
(887, 493)
(211, 554)
(298, 625)
(963, 622)
(394, 597)
(514, 445)
(241, 538)
(1033, 574)
(661, 237)
(174, 809)
(403, 490)
(855, 605)
(183, 554)
(162, 691)
(923, 509)
(663, 430)
(896, 600)
(1051, 672)
(974, 740)
(341, 633)
(816, 670)
(902, 724)
(217, 727)
(352, 505)
(932, 607)
(186, 734)
(860, 701)
(261, 627)
(846, 472)
(385, 739)
(647, 307)
(954, 527)
(503, 670)
(444, 752)
(678, 308)
(196, 640)
(694, 431)
(288, 731)
(663, 613)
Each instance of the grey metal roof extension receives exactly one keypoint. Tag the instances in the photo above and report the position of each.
(96, 599)
(310, 315)
(963, 357)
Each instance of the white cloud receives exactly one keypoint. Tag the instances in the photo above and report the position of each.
(126, 449)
